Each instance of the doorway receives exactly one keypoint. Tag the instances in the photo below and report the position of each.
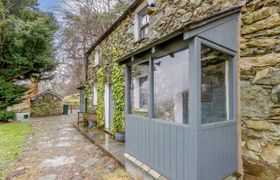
(109, 106)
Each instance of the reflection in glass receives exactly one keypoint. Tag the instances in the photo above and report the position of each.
(171, 87)
(214, 85)
(139, 89)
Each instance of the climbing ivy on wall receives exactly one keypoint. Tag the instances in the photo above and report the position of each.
(100, 98)
(118, 91)
(89, 84)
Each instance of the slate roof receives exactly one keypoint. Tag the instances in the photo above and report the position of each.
(45, 92)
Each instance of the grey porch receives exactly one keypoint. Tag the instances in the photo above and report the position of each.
(201, 142)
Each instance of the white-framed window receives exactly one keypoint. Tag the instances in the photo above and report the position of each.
(141, 22)
(94, 94)
(96, 58)
(144, 20)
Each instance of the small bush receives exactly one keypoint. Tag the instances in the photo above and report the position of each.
(5, 116)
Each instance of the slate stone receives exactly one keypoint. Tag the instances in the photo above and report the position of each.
(89, 162)
(48, 177)
(57, 161)
(275, 94)
(256, 102)
(268, 76)
(64, 144)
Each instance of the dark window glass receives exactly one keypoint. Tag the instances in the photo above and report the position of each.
(214, 85)
(171, 87)
(139, 89)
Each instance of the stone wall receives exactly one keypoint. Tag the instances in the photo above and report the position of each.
(260, 68)
(45, 105)
(170, 15)
(260, 88)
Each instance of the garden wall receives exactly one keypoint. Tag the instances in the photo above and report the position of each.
(260, 88)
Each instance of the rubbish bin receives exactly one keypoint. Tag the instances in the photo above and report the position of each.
(65, 108)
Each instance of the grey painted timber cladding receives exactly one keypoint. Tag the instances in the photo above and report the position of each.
(163, 146)
(217, 151)
(195, 151)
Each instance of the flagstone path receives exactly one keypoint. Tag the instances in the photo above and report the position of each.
(55, 150)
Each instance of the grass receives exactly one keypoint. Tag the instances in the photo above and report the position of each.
(12, 137)
(119, 174)
(73, 100)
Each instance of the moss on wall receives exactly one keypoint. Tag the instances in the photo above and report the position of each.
(118, 96)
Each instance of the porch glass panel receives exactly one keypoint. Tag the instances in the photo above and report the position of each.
(214, 85)
(171, 87)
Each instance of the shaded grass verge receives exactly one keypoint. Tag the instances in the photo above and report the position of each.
(12, 137)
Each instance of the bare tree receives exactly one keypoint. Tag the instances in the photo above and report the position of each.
(83, 22)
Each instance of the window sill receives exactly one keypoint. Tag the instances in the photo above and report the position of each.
(96, 66)
(140, 40)
(218, 124)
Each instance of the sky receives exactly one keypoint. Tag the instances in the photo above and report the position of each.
(49, 5)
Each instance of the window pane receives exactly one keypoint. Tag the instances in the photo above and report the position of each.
(144, 31)
(171, 87)
(139, 89)
(94, 94)
(96, 58)
(214, 85)
(144, 20)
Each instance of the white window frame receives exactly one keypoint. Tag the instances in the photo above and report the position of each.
(96, 58)
(94, 94)
(145, 26)
(137, 22)
(137, 92)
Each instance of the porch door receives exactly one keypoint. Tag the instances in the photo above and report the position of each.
(109, 106)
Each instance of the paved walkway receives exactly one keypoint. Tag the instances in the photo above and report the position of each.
(55, 150)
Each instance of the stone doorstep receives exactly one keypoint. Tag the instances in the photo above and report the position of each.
(233, 176)
(144, 167)
(98, 145)
(158, 176)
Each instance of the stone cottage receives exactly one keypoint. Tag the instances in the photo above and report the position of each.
(46, 103)
(233, 48)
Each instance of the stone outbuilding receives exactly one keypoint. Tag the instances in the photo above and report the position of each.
(47, 103)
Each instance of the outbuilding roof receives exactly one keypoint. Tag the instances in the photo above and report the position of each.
(45, 92)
